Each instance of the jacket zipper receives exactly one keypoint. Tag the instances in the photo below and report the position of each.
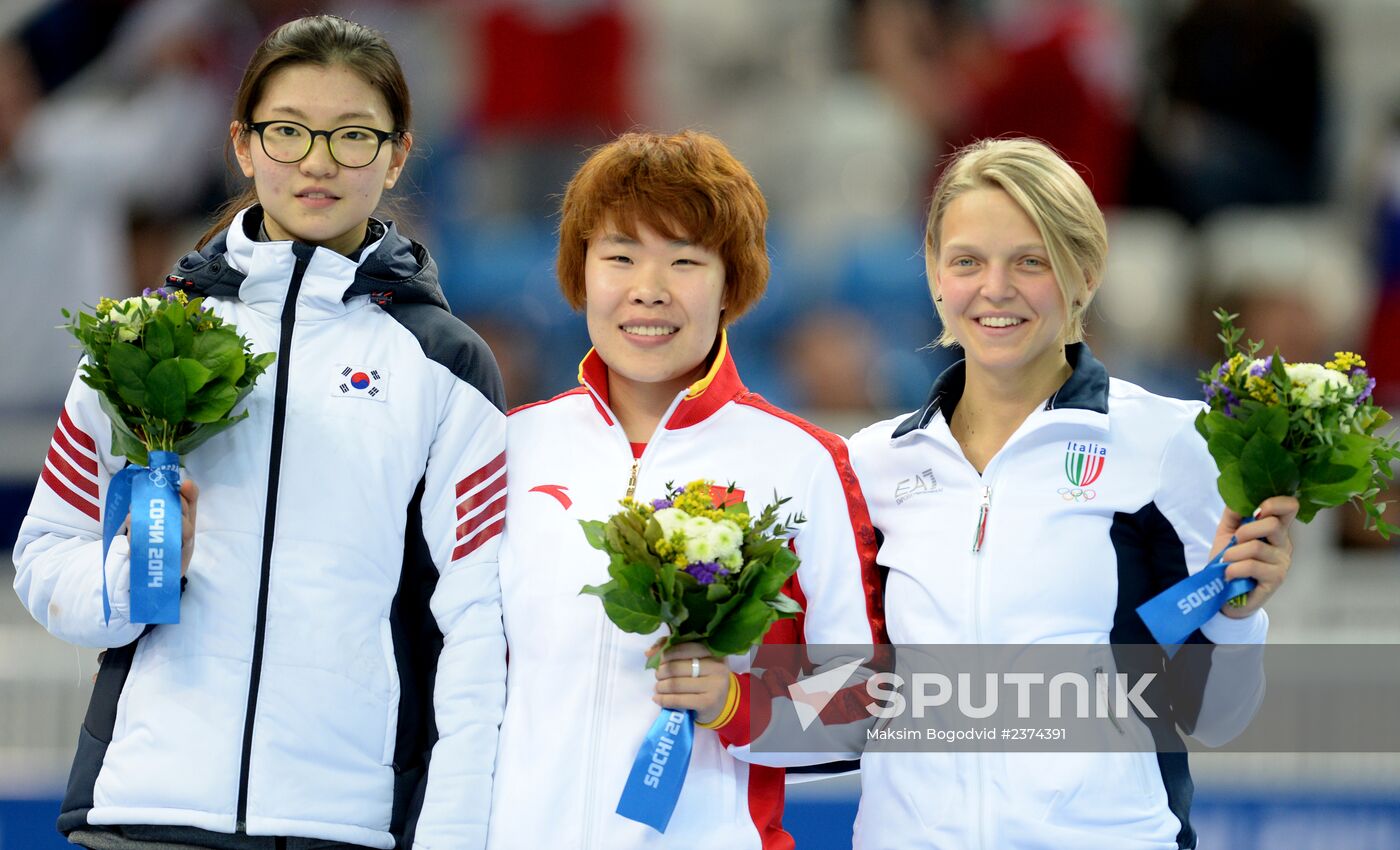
(980, 535)
(600, 697)
(279, 415)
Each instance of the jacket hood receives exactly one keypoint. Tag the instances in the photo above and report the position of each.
(399, 271)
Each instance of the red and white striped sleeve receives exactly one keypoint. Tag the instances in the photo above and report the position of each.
(58, 556)
(464, 500)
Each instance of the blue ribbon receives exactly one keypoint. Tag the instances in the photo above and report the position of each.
(152, 496)
(1181, 609)
(658, 771)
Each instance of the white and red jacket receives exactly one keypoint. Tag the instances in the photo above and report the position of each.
(578, 691)
(343, 580)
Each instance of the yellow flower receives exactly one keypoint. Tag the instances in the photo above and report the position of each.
(1235, 363)
(1261, 389)
(104, 306)
(1346, 361)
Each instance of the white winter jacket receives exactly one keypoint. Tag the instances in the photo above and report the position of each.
(345, 552)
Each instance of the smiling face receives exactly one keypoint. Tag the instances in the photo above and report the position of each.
(317, 201)
(653, 306)
(1000, 297)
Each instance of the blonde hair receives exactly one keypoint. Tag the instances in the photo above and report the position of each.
(1053, 196)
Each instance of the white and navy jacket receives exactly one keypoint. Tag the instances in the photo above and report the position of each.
(579, 693)
(1103, 497)
(344, 578)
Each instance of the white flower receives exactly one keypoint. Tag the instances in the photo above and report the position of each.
(726, 537)
(1318, 383)
(126, 333)
(671, 520)
(699, 547)
(733, 561)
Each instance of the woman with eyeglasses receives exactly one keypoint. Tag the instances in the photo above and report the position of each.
(341, 578)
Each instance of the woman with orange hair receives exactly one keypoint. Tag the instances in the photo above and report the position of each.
(662, 247)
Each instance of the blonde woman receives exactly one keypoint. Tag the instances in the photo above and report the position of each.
(1009, 548)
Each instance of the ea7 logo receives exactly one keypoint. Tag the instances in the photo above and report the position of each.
(922, 483)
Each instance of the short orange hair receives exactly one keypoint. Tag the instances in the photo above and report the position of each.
(687, 185)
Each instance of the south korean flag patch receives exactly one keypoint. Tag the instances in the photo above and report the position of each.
(360, 382)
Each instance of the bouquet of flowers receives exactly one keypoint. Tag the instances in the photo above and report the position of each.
(168, 374)
(1295, 429)
(698, 562)
(1282, 429)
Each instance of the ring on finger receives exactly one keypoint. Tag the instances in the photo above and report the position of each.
(694, 668)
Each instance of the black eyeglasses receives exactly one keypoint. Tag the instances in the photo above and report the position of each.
(351, 147)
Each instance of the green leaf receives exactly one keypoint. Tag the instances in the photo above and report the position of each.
(1324, 472)
(1338, 492)
(1226, 447)
(1267, 469)
(599, 589)
(632, 533)
(721, 611)
(1232, 490)
(1272, 421)
(201, 433)
(630, 575)
(218, 350)
(183, 339)
(124, 439)
(159, 340)
(1353, 449)
(260, 362)
(1216, 422)
(718, 592)
(165, 392)
(196, 376)
(593, 532)
(633, 612)
(213, 402)
(785, 604)
(744, 627)
(129, 367)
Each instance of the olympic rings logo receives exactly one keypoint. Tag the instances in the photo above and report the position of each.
(1076, 494)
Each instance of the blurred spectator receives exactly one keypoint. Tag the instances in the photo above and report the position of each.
(1382, 350)
(136, 127)
(1056, 70)
(553, 78)
(829, 360)
(1296, 277)
(1242, 110)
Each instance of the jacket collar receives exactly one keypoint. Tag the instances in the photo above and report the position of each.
(234, 264)
(1085, 390)
(694, 405)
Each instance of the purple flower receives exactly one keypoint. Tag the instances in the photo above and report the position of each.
(146, 293)
(1218, 390)
(1262, 368)
(706, 571)
(1366, 393)
(1232, 401)
(660, 504)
